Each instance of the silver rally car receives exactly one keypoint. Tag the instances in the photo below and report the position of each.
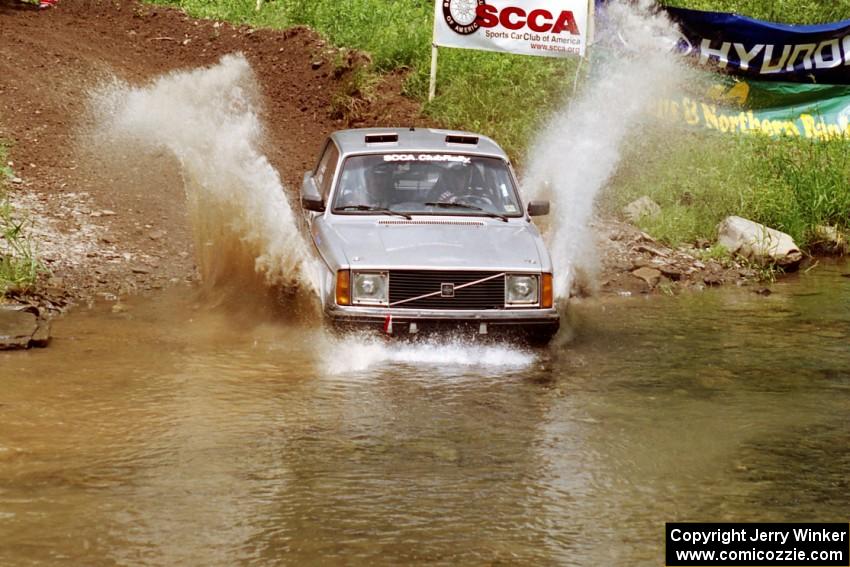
(418, 229)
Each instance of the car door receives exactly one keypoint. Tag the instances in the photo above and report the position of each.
(325, 172)
(323, 175)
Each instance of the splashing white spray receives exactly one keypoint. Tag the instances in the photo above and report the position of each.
(358, 353)
(580, 150)
(207, 119)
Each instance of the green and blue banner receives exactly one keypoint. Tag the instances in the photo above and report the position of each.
(778, 79)
(767, 78)
(815, 112)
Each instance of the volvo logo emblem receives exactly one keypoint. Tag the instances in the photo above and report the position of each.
(447, 290)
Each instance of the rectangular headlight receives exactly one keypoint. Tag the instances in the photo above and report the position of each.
(370, 288)
(522, 290)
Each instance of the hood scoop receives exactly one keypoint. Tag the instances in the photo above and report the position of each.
(430, 222)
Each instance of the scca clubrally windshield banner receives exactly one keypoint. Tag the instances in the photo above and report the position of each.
(549, 28)
(765, 50)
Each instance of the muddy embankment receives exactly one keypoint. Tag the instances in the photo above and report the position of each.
(107, 227)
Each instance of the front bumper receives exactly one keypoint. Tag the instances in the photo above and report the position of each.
(539, 322)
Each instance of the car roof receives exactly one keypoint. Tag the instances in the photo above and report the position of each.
(415, 140)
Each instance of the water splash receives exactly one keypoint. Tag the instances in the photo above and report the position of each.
(355, 353)
(207, 119)
(573, 159)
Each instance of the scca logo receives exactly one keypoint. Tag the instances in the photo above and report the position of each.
(467, 16)
(515, 18)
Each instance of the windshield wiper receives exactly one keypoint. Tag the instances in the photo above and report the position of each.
(462, 205)
(370, 208)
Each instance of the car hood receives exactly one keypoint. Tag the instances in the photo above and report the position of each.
(472, 244)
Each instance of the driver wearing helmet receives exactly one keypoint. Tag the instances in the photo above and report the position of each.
(366, 185)
(451, 185)
(379, 185)
(461, 184)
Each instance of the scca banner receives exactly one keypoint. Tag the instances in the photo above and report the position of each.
(549, 28)
(765, 50)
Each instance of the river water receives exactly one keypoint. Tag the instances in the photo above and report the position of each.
(172, 433)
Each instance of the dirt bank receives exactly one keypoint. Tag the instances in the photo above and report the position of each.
(110, 232)
(106, 232)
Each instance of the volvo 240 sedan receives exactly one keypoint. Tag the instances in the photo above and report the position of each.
(422, 229)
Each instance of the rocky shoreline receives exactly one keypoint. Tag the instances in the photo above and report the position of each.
(23, 327)
(634, 263)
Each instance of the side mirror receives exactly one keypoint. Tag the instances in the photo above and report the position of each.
(538, 208)
(311, 199)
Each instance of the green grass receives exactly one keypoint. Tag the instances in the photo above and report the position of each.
(698, 178)
(19, 267)
(688, 174)
(503, 96)
(394, 32)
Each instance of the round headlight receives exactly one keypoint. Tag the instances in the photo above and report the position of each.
(370, 288)
(367, 287)
(522, 288)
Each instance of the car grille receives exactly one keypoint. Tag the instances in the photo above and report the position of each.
(407, 284)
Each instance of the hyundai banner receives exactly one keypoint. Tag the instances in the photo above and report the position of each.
(764, 50)
(549, 28)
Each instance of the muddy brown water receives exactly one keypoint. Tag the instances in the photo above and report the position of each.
(175, 434)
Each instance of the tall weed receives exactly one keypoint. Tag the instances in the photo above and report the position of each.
(19, 267)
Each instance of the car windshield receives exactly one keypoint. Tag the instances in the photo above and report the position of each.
(444, 184)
